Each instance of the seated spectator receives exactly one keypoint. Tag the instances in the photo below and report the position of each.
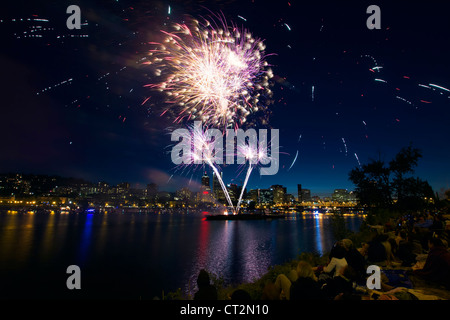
(405, 250)
(270, 292)
(376, 253)
(437, 264)
(336, 264)
(389, 249)
(400, 236)
(424, 222)
(438, 224)
(417, 240)
(306, 287)
(364, 249)
(355, 260)
(280, 289)
(341, 286)
(206, 291)
(283, 284)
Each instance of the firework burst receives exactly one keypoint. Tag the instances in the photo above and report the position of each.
(213, 73)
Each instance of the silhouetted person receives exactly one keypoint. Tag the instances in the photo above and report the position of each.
(376, 253)
(307, 286)
(206, 291)
(437, 265)
(355, 260)
(337, 261)
(405, 251)
(438, 224)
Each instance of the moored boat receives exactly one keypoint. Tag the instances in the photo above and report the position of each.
(244, 216)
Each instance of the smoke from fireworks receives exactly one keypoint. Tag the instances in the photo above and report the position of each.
(214, 74)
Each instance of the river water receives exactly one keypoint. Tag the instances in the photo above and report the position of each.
(142, 255)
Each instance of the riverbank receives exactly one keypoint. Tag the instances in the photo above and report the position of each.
(399, 281)
(419, 289)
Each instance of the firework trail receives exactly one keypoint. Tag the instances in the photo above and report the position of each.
(439, 87)
(357, 159)
(295, 159)
(212, 72)
(255, 154)
(250, 153)
(202, 150)
(224, 188)
(296, 154)
(249, 172)
(345, 146)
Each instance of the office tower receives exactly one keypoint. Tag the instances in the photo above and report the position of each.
(340, 195)
(278, 194)
(306, 195)
(219, 195)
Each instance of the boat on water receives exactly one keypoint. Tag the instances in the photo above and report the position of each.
(244, 216)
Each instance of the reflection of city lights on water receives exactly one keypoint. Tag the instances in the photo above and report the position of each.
(319, 232)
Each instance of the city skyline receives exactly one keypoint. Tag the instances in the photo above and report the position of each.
(213, 188)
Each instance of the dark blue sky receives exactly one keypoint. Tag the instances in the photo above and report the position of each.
(72, 99)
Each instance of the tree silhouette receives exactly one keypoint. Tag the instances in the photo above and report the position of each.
(372, 184)
(403, 163)
(384, 186)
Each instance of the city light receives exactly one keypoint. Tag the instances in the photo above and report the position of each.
(122, 196)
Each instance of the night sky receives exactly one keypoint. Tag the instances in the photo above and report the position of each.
(73, 100)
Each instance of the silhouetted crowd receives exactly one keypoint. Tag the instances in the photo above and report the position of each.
(414, 246)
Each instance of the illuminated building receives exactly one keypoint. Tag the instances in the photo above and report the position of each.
(340, 195)
(305, 195)
(279, 193)
(205, 189)
(265, 196)
(219, 195)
